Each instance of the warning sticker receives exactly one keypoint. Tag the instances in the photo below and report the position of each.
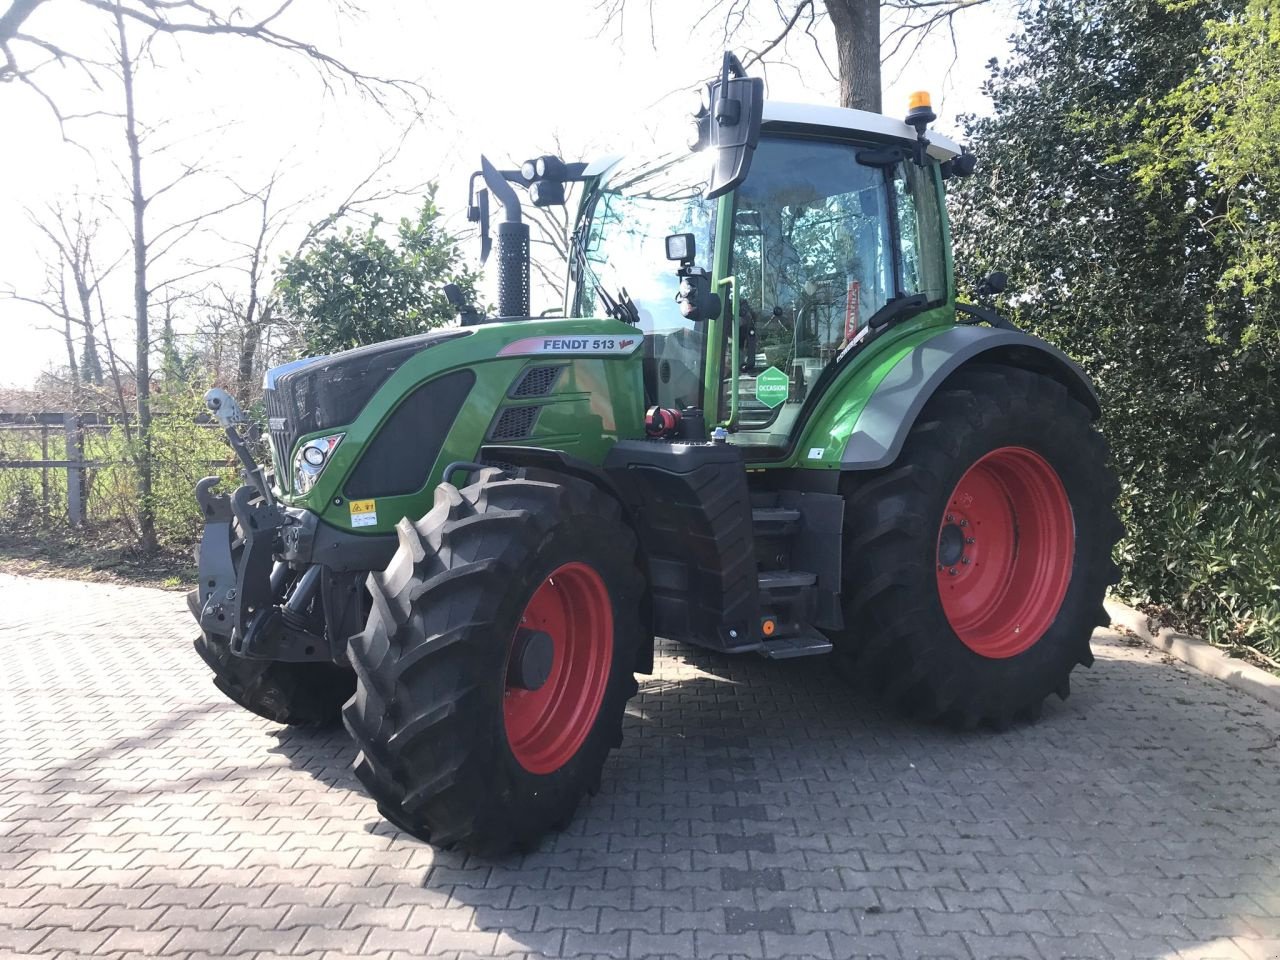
(581, 346)
(364, 513)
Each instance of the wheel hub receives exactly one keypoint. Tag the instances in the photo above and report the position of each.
(950, 545)
(532, 656)
(1006, 548)
(558, 668)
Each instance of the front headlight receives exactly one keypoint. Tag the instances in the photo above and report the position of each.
(310, 460)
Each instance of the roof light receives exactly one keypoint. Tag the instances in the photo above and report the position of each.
(919, 99)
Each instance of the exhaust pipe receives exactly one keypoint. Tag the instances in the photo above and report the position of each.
(513, 246)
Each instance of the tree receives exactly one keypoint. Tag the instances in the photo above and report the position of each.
(1207, 148)
(1119, 258)
(26, 51)
(853, 27)
(72, 233)
(354, 287)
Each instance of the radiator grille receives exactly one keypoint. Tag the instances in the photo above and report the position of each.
(515, 423)
(536, 381)
(282, 436)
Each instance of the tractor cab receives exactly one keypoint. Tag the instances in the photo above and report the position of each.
(835, 233)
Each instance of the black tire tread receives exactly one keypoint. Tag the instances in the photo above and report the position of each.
(891, 642)
(297, 694)
(420, 712)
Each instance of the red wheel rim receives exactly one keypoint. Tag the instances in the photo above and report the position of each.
(1006, 547)
(546, 726)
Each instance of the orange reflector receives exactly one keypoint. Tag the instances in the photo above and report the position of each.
(768, 627)
(919, 99)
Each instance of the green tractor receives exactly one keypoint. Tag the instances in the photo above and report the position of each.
(784, 437)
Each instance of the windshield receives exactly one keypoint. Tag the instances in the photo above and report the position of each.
(622, 246)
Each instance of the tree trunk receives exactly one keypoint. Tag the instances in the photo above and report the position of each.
(71, 344)
(92, 364)
(857, 29)
(142, 370)
(256, 320)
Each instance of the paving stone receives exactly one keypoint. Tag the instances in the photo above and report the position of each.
(775, 920)
(755, 809)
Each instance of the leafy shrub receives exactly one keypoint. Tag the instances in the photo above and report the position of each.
(1213, 549)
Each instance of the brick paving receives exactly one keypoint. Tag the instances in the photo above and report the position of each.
(756, 810)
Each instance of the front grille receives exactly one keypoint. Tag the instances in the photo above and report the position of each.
(515, 423)
(282, 436)
(536, 381)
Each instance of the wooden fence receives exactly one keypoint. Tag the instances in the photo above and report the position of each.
(63, 432)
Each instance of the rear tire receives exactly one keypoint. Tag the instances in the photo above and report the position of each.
(299, 694)
(985, 644)
(466, 737)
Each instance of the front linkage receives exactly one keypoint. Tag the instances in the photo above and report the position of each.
(262, 588)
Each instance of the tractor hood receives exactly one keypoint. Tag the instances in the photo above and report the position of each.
(316, 393)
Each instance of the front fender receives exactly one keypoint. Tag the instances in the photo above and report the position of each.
(891, 410)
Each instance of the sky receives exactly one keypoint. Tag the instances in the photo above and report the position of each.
(504, 77)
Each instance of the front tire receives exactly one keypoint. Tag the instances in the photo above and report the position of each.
(976, 564)
(298, 694)
(497, 661)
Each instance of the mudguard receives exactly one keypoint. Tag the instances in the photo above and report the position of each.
(890, 412)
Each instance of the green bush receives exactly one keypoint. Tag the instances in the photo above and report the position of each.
(184, 448)
(1212, 550)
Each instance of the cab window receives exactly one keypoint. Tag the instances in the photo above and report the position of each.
(822, 242)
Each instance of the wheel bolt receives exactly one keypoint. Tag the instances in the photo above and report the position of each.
(964, 559)
(964, 523)
(968, 539)
(950, 518)
(952, 571)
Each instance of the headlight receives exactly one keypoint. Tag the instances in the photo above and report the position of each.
(310, 460)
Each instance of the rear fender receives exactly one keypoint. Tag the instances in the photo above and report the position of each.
(891, 411)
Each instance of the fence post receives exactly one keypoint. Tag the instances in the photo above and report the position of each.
(75, 468)
(44, 475)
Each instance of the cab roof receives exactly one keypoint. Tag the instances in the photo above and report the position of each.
(778, 114)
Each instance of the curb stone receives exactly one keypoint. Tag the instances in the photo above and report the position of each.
(1204, 657)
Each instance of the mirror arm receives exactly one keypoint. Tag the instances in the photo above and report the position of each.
(984, 313)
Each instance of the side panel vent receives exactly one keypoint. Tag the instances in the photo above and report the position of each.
(536, 381)
(514, 423)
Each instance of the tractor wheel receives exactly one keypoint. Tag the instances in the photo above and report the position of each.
(299, 694)
(976, 564)
(497, 661)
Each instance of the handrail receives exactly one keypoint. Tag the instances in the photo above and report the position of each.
(735, 360)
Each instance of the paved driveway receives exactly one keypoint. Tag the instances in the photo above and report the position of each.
(757, 809)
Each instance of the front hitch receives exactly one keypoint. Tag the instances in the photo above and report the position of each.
(233, 420)
(238, 572)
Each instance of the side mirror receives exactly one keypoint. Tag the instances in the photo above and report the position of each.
(996, 283)
(732, 122)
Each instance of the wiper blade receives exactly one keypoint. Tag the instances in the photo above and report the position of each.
(899, 308)
(620, 308)
(623, 308)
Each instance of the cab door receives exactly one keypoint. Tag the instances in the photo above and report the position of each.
(824, 235)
